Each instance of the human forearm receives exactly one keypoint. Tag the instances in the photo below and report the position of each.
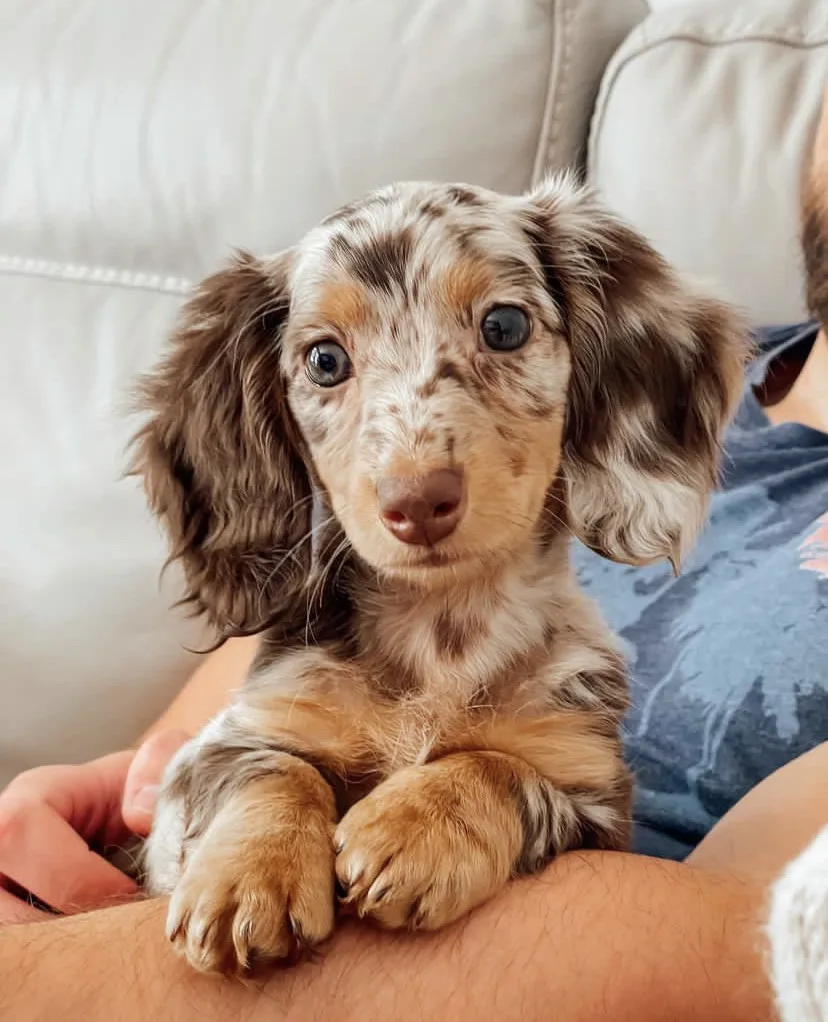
(598, 937)
(107, 966)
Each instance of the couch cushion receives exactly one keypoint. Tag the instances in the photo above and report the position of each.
(153, 136)
(705, 117)
(89, 651)
(138, 143)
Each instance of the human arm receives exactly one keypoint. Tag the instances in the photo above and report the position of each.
(772, 824)
(208, 689)
(599, 937)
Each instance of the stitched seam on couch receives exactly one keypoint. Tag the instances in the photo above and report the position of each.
(559, 61)
(80, 273)
(617, 68)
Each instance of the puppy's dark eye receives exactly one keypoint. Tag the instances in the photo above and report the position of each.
(328, 364)
(505, 328)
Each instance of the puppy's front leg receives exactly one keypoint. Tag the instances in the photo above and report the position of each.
(243, 836)
(255, 860)
(431, 842)
(434, 841)
(259, 885)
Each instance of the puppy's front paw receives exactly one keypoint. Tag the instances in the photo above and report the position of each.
(256, 899)
(423, 849)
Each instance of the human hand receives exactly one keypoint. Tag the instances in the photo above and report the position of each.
(143, 780)
(55, 821)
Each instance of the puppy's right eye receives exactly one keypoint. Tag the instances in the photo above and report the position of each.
(505, 328)
(327, 364)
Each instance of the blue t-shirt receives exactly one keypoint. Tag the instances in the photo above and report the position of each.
(729, 661)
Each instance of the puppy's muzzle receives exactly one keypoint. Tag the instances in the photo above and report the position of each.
(422, 510)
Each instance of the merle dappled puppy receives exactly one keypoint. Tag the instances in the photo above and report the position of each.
(458, 381)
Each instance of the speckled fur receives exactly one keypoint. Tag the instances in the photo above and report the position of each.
(421, 723)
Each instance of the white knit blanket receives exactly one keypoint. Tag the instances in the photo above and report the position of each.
(798, 932)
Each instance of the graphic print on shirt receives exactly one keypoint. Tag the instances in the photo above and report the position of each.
(815, 549)
(728, 662)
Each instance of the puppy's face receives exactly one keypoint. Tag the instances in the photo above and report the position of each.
(454, 370)
(427, 369)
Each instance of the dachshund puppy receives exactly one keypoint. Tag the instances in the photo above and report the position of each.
(373, 450)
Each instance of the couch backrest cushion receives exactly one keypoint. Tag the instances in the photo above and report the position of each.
(153, 136)
(705, 116)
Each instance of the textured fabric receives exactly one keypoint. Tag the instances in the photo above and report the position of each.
(729, 661)
(705, 116)
(798, 936)
(182, 128)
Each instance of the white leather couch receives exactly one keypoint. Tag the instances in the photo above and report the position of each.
(140, 142)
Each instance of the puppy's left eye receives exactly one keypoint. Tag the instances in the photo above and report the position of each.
(328, 364)
(505, 328)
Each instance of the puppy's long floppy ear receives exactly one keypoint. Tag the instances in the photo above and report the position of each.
(220, 454)
(657, 370)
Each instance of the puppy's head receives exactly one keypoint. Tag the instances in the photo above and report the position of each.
(438, 361)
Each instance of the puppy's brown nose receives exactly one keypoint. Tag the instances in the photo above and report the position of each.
(422, 510)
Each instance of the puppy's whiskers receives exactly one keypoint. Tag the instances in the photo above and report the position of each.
(291, 554)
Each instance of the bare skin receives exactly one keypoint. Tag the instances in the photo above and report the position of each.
(807, 400)
(600, 937)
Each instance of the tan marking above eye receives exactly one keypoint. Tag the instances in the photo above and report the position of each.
(344, 306)
(464, 283)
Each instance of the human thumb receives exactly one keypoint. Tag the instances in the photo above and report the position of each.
(143, 779)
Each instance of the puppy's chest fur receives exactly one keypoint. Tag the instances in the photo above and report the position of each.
(420, 673)
(459, 647)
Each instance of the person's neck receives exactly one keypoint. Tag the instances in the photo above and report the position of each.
(806, 402)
